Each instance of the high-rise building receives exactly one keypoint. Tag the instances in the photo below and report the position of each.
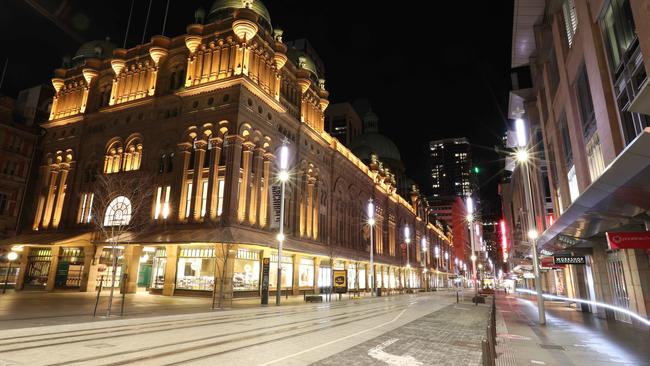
(343, 122)
(451, 168)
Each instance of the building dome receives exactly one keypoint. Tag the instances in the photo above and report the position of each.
(101, 49)
(224, 8)
(301, 59)
(372, 142)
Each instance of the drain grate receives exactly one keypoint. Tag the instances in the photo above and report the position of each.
(552, 346)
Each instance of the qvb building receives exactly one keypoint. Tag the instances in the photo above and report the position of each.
(198, 118)
(588, 112)
(451, 168)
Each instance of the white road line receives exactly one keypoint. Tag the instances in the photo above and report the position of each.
(378, 353)
(334, 341)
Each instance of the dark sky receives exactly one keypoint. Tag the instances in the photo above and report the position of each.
(431, 69)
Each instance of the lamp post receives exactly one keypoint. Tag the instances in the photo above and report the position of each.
(11, 257)
(437, 254)
(407, 240)
(424, 261)
(523, 158)
(284, 177)
(371, 222)
(470, 220)
(447, 267)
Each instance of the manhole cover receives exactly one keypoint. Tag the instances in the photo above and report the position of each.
(552, 346)
(100, 345)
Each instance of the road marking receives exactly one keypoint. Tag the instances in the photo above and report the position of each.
(456, 307)
(538, 362)
(334, 341)
(378, 353)
(513, 336)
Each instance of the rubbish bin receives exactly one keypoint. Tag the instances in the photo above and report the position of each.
(378, 291)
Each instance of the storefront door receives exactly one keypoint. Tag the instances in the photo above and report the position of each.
(617, 285)
(38, 268)
(70, 268)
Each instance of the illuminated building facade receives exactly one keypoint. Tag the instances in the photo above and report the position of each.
(203, 114)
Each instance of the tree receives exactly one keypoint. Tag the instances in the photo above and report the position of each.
(120, 212)
(223, 253)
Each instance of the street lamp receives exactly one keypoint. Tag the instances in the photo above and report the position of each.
(284, 177)
(11, 257)
(407, 240)
(371, 222)
(522, 156)
(424, 261)
(470, 219)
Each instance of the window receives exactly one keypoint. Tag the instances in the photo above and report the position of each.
(188, 199)
(585, 103)
(246, 273)
(287, 271)
(162, 202)
(574, 192)
(618, 30)
(204, 198)
(306, 272)
(196, 269)
(3, 203)
(133, 155)
(570, 20)
(566, 141)
(118, 212)
(220, 197)
(85, 208)
(595, 157)
(113, 159)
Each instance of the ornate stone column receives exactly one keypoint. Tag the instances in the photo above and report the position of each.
(255, 194)
(42, 195)
(213, 178)
(233, 150)
(264, 200)
(310, 207)
(49, 205)
(170, 269)
(316, 211)
(179, 195)
(60, 196)
(197, 181)
(247, 156)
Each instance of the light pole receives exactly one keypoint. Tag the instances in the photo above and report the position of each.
(470, 220)
(447, 268)
(424, 261)
(437, 254)
(284, 177)
(523, 158)
(407, 240)
(371, 222)
(11, 257)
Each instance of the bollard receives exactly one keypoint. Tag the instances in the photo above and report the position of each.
(484, 353)
(456, 296)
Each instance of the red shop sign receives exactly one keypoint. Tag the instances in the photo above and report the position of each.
(629, 240)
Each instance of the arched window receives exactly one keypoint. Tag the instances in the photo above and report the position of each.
(118, 212)
(133, 155)
(113, 158)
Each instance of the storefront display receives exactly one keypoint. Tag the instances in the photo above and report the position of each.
(352, 276)
(325, 277)
(246, 274)
(287, 271)
(38, 268)
(106, 258)
(391, 277)
(70, 268)
(158, 268)
(196, 268)
(306, 272)
(384, 278)
(362, 277)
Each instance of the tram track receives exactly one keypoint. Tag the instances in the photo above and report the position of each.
(258, 332)
(130, 330)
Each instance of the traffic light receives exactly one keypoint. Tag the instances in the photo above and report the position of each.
(476, 170)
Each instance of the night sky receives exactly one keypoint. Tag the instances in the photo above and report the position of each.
(431, 71)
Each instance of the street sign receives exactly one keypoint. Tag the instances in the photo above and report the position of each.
(266, 264)
(276, 198)
(629, 240)
(570, 260)
(340, 281)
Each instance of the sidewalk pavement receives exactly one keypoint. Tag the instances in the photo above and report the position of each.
(568, 338)
(450, 336)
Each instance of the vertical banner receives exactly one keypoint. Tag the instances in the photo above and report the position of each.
(275, 199)
(266, 262)
(340, 281)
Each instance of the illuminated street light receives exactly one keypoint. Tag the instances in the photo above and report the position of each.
(522, 155)
(532, 233)
(283, 176)
(371, 222)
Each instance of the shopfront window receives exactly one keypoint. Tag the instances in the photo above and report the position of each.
(246, 275)
(392, 278)
(306, 272)
(325, 277)
(158, 268)
(287, 271)
(379, 278)
(38, 267)
(352, 275)
(384, 277)
(362, 277)
(195, 270)
(106, 258)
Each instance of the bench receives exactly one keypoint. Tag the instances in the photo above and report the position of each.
(313, 298)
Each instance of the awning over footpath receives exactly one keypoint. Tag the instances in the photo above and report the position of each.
(45, 238)
(618, 200)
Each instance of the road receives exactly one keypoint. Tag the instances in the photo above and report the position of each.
(293, 335)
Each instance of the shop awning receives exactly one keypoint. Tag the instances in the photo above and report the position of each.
(618, 200)
(45, 238)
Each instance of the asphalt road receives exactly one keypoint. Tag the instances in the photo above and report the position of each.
(287, 335)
